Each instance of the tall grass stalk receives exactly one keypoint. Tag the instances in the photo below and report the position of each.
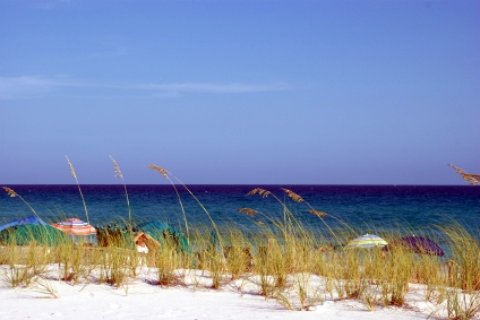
(461, 306)
(166, 174)
(167, 260)
(465, 266)
(13, 194)
(119, 174)
(200, 204)
(320, 214)
(74, 175)
(264, 193)
(238, 254)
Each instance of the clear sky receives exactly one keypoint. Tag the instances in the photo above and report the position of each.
(315, 92)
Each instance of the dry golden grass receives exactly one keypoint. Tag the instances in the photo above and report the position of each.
(472, 179)
(284, 259)
(119, 174)
(283, 254)
(11, 193)
(248, 211)
(292, 195)
(75, 177)
(159, 169)
(318, 213)
(259, 191)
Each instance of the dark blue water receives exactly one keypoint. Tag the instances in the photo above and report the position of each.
(364, 207)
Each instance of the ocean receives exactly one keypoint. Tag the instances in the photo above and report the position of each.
(367, 208)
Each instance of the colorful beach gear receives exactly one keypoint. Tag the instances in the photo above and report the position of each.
(419, 244)
(33, 220)
(367, 241)
(33, 229)
(76, 227)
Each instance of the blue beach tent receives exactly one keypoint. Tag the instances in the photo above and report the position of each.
(31, 229)
(28, 220)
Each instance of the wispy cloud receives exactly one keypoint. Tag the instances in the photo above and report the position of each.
(37, 86)
(192, 87)
(28, 86)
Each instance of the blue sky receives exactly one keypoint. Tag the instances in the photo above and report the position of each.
(321, 92)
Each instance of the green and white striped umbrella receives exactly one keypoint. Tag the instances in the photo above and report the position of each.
(367, 241)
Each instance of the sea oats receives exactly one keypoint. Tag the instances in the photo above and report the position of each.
(167, 175)
(261, 192)
(74, 175)
(472, 179)
(118, 174)
(116, 168)
(159, 169)
(11, 193)
(248, 211)
(72, 169)
(292, 195)
(457, 169)
(318, 213)
(252, 192)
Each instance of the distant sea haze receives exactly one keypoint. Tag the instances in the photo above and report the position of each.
(365, 207)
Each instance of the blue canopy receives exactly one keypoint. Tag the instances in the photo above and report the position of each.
(22, 221)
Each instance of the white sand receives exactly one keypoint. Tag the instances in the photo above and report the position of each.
(141, 300)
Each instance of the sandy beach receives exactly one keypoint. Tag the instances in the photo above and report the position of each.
(191, 300)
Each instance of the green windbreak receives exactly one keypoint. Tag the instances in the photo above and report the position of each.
(41, 234)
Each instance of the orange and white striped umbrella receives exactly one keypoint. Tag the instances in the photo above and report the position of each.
(76, 227)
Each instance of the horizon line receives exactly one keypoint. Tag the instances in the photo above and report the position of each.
(237, 184)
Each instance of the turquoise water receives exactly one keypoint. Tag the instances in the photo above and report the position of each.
(364, 207)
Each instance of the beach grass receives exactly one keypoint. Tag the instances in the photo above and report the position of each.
(288, 261)
(283, 259)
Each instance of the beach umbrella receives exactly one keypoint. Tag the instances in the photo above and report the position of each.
(419, 244)
(367, 241)
(75, 227)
